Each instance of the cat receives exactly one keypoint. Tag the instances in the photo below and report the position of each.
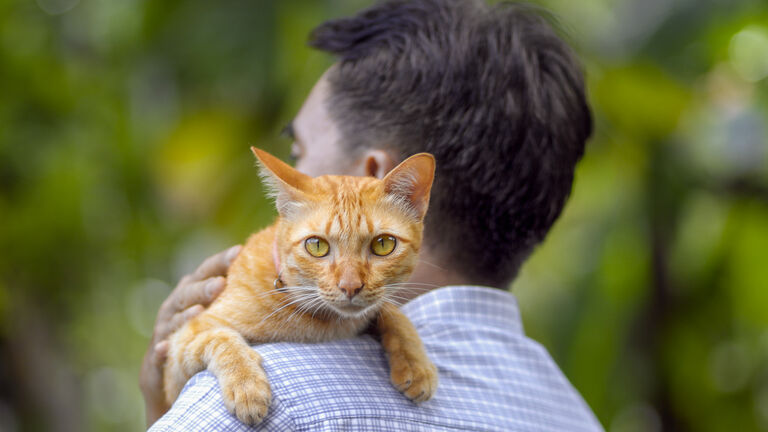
(328, 268)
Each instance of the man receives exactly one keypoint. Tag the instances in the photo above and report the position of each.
(499, 100)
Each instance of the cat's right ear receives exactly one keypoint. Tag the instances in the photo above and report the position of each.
(285, 184)
(411, 182)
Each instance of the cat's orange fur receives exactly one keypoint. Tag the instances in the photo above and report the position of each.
(314, 299)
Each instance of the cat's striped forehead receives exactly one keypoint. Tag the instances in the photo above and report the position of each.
(344, 186)
(348, 206)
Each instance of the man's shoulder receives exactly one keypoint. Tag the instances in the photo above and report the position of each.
(491, 378)
(338, 385)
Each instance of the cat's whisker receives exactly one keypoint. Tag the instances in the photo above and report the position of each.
(399, 298)
(287, 304)
(386, 300)
(306, 305)
(299, 292)
(292, 296)
(408, 286)
(290, 317)
(400, 294)
(431, 264)
(307, 299)
(267, 294)
(297, 288)
(415, 284)
(318, 306)
(394, 292)
(391, 301)
(411, 287)
(286, 290)
(283, 306)
(295, 295)
(317, 309)
(407, 292)
(419, 289)
(314, 306)
(404, 290)
(304, 308)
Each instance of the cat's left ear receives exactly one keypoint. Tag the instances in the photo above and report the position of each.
(287, 185)
(411, 181)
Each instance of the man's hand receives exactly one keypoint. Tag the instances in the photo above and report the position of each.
(190, 297)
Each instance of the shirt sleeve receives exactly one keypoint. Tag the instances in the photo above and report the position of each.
(200, 407)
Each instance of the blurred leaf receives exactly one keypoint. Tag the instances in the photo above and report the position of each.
(747, 278)
(641, 100)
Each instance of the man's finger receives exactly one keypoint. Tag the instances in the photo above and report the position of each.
(216, 265)
(182, 317)
(193, 289)
(160, 353)
(174, 315)
(202, 293)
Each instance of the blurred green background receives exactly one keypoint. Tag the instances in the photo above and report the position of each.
(124, 134)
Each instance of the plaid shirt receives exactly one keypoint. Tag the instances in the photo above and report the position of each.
(492, 377)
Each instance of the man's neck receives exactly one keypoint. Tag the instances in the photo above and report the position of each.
(430, 273)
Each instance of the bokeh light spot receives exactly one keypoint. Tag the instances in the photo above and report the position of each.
(57, 7)
(748, 53)
(730, 366)
(144, 301)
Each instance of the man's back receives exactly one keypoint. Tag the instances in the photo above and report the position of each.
(491, 378)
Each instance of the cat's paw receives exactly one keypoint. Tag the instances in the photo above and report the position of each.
(248, 398)
(414, 376)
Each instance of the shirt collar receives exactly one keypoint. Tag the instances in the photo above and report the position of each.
(474, 304)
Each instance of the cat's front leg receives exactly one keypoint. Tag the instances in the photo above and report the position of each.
(244, 385)
(411, 371)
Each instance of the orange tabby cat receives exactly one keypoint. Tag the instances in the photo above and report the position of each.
(324, 270)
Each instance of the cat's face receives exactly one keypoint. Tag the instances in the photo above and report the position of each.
(345, 242)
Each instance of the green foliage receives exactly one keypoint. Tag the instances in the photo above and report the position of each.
(124, 135)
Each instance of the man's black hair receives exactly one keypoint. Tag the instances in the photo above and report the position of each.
(492, 92)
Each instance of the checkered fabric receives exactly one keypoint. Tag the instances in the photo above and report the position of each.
(492, 378)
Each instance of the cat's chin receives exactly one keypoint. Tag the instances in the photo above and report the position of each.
(350, 311)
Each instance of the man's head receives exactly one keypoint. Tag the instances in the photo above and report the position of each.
(491, 92)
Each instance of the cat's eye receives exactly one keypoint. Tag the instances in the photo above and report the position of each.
(316, 247)
(383, 245)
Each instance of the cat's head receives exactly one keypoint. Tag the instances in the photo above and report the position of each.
(345, 242)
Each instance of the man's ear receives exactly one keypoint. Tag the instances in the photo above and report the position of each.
(374, 163)
(411, 181)
(288, 186)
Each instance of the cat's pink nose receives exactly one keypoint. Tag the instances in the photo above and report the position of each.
(351, 288)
